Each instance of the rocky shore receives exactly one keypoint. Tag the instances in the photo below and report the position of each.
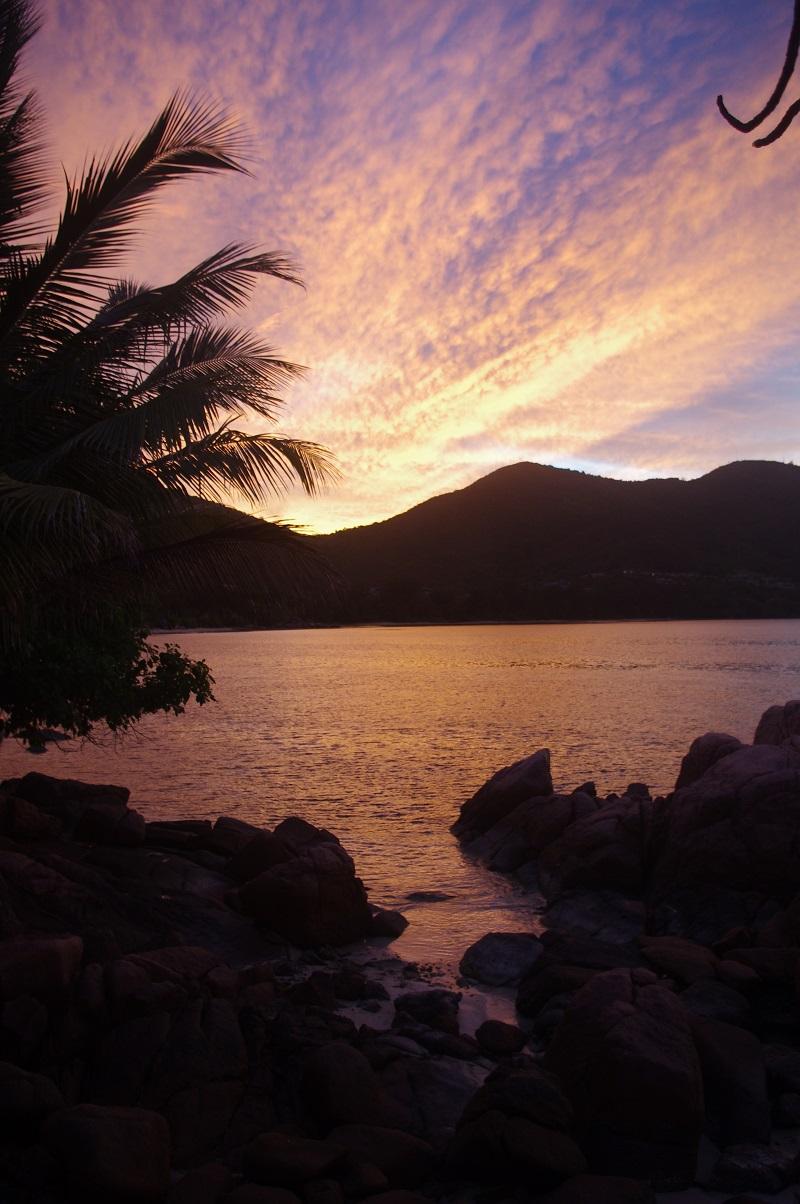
(197, 1013)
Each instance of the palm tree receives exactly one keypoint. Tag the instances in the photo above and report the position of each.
(121, 404)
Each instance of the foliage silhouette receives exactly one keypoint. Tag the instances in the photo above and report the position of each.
(121, 403)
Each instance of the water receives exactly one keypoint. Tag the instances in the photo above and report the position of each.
(380, 733)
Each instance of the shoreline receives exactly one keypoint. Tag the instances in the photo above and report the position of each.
(187, 934)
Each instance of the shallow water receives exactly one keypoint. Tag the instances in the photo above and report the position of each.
(379, 733)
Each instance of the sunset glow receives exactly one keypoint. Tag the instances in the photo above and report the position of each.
(525, 231)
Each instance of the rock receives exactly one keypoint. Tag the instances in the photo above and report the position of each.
(499, 1039)
(251, 1193)
(734, 1083)
(338, 1086)
(756, 1168)
(122, 1152)
(513, 1149)
(229, 835)
(405, 1160)
(23, 821)
(436, 1008)
(600, 1189)
(312, 899)
(277, 1158)
(625, 1056)
(713, 1000)
(64, 795)
(783, 1067)
(179, 964)
(704, 752)
(554, 982)
(504, 791)
(637, 790)
(109, 825)
(428, 896)
(521, 835)
(602, 851)
(388, 923)
(26, 1098)
(44, 967)
(263, 852)
(501, 958)
(525, 1091)
(399, 1197)
(431, 1093)
(678, 958)
(607, 915)
(208, 1184)
(778, 723)
(725, 846)
(323, 1191)
(787, 1111)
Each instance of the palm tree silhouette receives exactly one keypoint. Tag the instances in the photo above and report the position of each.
(120, 403)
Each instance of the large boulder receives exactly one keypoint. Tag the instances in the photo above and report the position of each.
(704, 752)
(516, 1129)
(602, 851)
(504, 791)
(43, 967)
(314, 897)
(111, 1153)
(734, 1082)
(725, 849)
(778, 723)
(501, 958)
(625, 1056)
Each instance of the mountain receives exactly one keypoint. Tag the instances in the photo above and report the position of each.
(533, 542)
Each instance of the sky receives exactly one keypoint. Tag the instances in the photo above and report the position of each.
(524, 230)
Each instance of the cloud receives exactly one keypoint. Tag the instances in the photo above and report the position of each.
(525, 231)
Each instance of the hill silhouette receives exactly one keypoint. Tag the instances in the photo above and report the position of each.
(534, 542)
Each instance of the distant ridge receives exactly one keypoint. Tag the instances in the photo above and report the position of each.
(530, 541)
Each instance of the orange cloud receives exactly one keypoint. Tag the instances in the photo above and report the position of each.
(525, 231)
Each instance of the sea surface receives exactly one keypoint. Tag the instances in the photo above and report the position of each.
(379, 733)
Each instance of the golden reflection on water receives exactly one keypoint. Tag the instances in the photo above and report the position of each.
(379, 733)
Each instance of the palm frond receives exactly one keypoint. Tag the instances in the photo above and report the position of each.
(228, 462)
(48, 515)
(62, 285)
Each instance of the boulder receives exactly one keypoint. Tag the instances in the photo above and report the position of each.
(712, 1000)
(115, 1153)
(26, 1099)
(338, 1086)
(686, 961)
(286, 1161)
(600, 1189)
(602, 851)
(734, 1083)
(778, 723)
(388, 923)
(500, 1040)
(252, 1193)
(436, 1008)
(725, 848)
(513, 1149)
(607, 915)
(501, 958)
(704, 752)
(431, 1093)
(750, 1167)
(314, 898)
(257, 855)
(208, 1184)
(505, 790)
(43, 967)
(625, 1056)
(406, 1160)
(526, 1091)
(229, 835)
